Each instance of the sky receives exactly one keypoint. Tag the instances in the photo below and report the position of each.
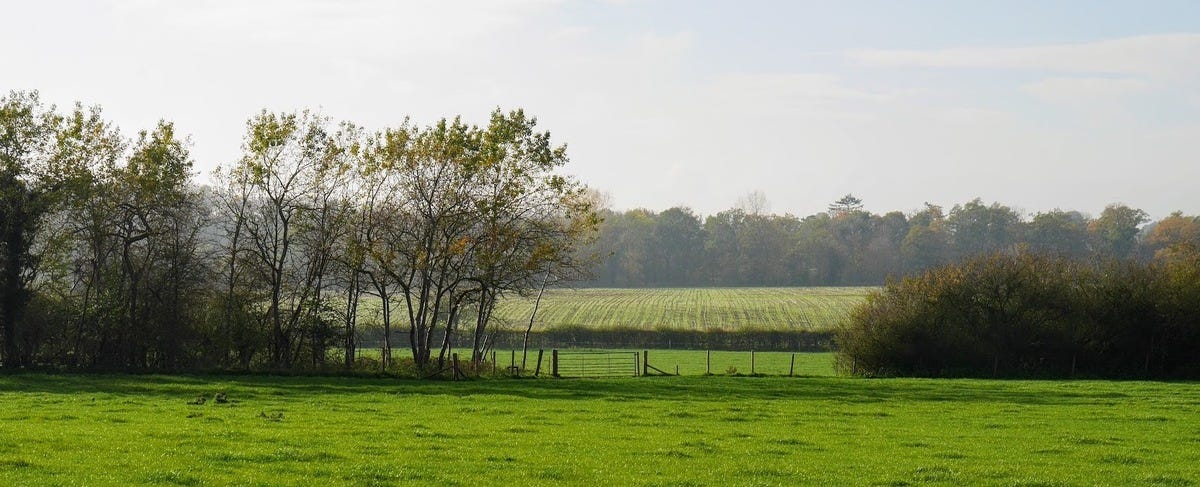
(1035, 104)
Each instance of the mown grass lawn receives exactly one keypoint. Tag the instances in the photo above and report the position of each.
(121, 430)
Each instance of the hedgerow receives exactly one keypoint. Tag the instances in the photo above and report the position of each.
(1031, 315)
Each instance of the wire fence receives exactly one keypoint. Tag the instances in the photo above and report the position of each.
(602, 362)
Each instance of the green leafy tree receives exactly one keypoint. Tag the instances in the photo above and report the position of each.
(853, 232)
(818, 259)
(844, 205)
(677, 245)
(47, 163)
(883, 254)
(284, 164)
(722, 254)
(1115, 233)
(976, 228)
(156, 225)
(531, 220)
(1175, 237)
(1057, 232)
(765, 244)
(927, 243)
(27, 143)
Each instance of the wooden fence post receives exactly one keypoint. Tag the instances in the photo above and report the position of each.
(538, 369)
(751, 361)
(493, 363)
(554, 362)
(792, 368)
(645, 362)
(708, 362)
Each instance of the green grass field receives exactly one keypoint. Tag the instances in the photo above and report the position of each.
(797, 308)
(129, 430)
(693, 362)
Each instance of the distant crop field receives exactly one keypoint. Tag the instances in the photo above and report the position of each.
(151, 430)
(794, 308)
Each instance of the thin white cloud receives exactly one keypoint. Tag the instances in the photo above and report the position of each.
(667, 45)
(1086, 89)
(361, 28)
(810, 86)
(1169, 56)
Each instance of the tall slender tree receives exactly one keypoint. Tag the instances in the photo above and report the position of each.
(27, 133)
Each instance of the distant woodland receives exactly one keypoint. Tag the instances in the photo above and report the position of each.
(847, 245)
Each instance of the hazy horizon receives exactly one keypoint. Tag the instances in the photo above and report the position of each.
(1036, 105)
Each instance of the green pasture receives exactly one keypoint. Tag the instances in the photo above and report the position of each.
(768, 308)
(698, 362)
(141, 430)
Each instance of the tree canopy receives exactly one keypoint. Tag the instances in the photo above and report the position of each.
(850, 246)
(113, 256)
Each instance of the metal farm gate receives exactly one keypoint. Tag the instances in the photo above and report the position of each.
(594, 364)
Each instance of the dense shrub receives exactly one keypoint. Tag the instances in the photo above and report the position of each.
(1031, 315)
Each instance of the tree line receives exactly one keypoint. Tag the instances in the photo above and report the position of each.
(847, 245)
(113, 256)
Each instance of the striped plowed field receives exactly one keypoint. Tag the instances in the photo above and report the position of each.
(804, 308)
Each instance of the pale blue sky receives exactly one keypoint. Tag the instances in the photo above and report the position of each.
(1035, 104)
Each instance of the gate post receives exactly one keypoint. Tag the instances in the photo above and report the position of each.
(554, 362)
(537, 371)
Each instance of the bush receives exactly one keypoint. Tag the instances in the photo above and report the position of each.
(1029, 315)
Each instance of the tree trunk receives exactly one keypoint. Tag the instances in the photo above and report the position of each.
(13, 295)
(487, 302)
(537, 302)
(353, 292)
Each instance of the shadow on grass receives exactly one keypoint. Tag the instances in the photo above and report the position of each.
(633, 389)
